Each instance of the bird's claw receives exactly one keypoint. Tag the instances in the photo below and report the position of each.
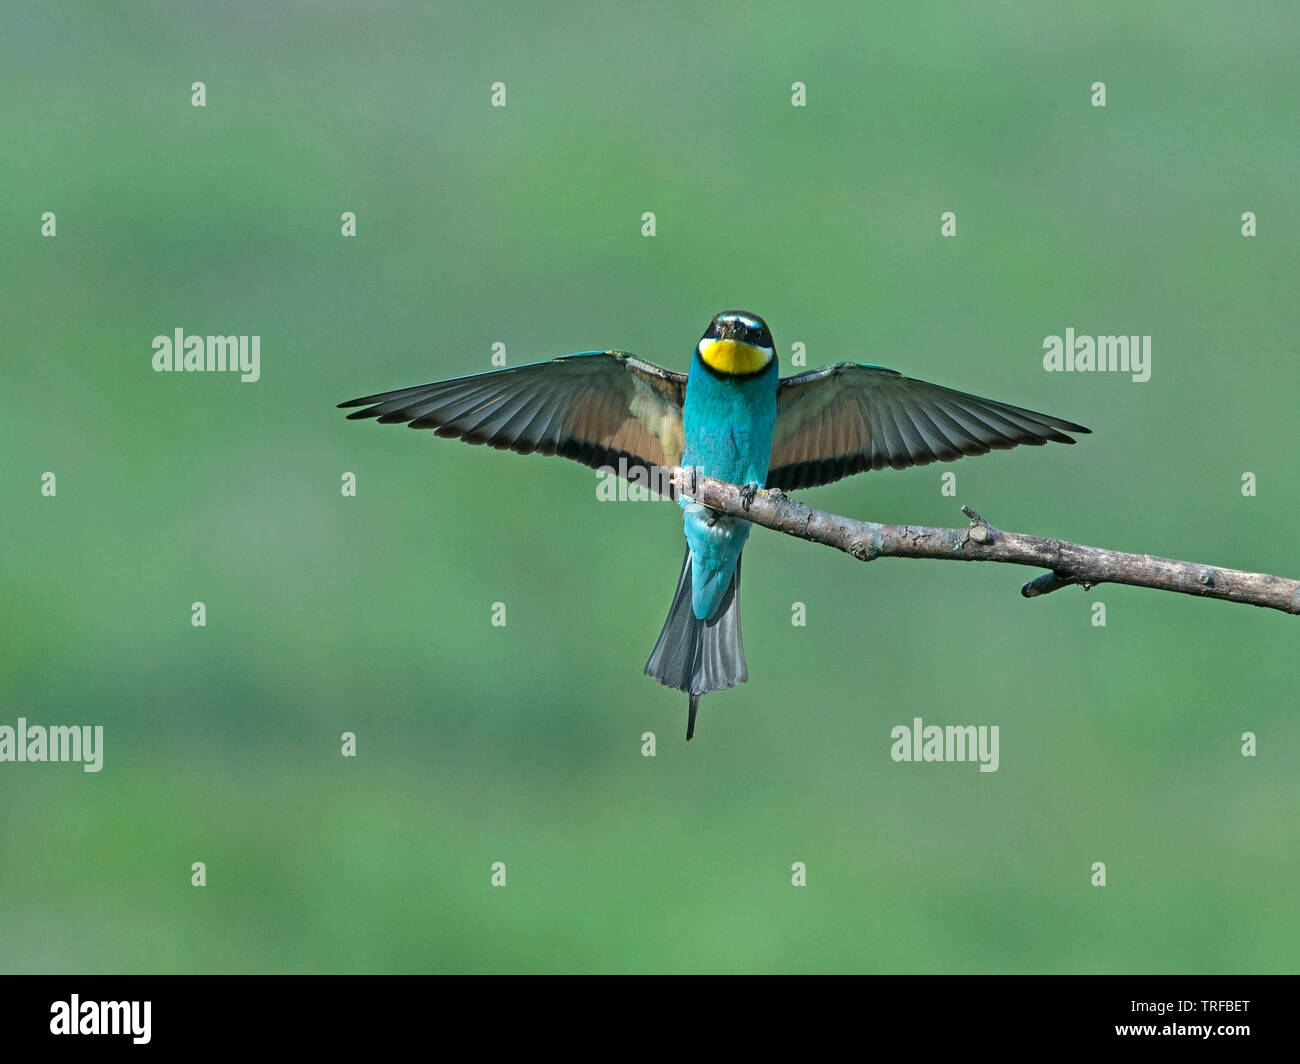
(747, 494)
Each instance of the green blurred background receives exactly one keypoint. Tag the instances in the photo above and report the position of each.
(522, 225)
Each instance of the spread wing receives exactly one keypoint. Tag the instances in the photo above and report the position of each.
(596, 407)
(849, 417)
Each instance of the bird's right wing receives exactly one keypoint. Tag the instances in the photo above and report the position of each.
(596, 407)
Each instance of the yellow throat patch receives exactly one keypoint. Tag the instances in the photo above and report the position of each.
(734, 356)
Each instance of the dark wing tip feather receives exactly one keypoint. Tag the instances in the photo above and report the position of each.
(380, 397)
(365, 400)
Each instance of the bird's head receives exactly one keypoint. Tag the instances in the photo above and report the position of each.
(736, 343)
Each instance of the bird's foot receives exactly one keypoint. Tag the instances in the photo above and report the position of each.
(747, 494)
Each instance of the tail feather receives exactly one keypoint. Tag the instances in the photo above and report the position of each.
(698, 656)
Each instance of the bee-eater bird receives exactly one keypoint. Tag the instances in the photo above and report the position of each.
(732, 418)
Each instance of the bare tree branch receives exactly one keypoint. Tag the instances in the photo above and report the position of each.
(1067, 563)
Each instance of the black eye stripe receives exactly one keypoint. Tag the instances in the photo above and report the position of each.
(739, 325)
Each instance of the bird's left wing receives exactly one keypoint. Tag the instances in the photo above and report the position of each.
(849, 417)
(596, 407)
